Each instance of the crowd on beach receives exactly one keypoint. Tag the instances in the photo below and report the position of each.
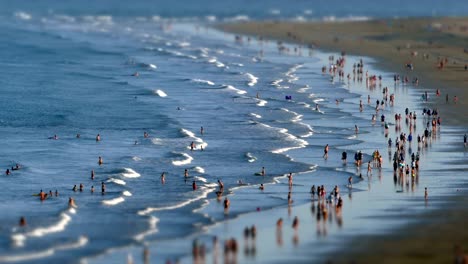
(405, 161)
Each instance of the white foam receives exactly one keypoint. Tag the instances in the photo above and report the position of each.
(202, 81)
(303, 89)
(113, 201)
(188, 159)
(276, 82)
(255, 115)
(161, 93)
(152, 66)
(58, 227)
(251, 158)
(117, 181)
(82, 240)
(135, 158)
(130, 173)
(152, 229)
(127, 193)
(232, 88)
(23, 15)
(261, 102)
(203, 194)
(198, 178)
(199, 169)
(253, 79)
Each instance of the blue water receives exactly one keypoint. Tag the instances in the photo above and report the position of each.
(67, 69)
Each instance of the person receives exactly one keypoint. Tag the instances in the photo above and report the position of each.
(100, 162)
(103, 187)
(312, 191)
(17, 167)
(295, 223)
(425, 193)
(74, 188)
(42, 195)
(98, 137)
(202, 130)
(194, 185)
(78, 136)
(186, 173)
(279, 223)
(290, 179)
(325, 150)
(221, 185)
(22, 221)
(289, 198)
(356, 129)
(455, 99)
(350, 181)
(263, 171)
(464, 140)
(344, 156)
(163, 177)
(81, 187)
(261, 187)
(192, 146)
(71, 202)
(227, 203)
(7, 172)
(51, 193)
(145, 135)
(369, 168)
(92, 174)
(92, 189)
(56, 193)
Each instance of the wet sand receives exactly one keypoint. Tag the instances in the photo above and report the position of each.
(394, 43)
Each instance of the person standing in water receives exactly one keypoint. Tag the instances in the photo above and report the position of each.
(202, 130)
(263, 171)
(98, 137)
(103, 188)
(163, 178)
(464, 140)
(194, 185)
(92, 174)
(100, 161)
(325, 152)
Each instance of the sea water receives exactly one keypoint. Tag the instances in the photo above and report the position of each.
(69, 69)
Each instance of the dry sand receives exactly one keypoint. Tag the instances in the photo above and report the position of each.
(423, 42)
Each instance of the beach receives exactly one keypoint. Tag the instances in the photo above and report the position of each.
(438, 236)
(156, 133)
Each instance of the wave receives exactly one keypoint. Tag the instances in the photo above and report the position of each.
(82, 241)
(251, 158)
(303, 89)
(300, 143)
(160, 93)
(19, 238)
(113, 201)
(261, 102)
(276, 82)
(191, 135)
(232, 88)
(204, 193)
(152, 229)
(130, 173)
(255, 115)
(135, 158)
(117, 181)
(199, 169)
(202, 81)
(297, 117)
(22, 15)
(217, 63)
(188, 159)
(253, 79)
(149, 66)
(127, 193)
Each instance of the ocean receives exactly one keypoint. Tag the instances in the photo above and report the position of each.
(149, 77)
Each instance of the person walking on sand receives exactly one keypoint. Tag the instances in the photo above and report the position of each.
(325, 152)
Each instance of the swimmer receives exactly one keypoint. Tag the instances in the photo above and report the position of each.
(78, 135)
(42, 195)
(145, 135)
(98, 137)
(325, 152)
(192, 146)
(261, 187)
(227, 203)
(56, 193)
(202, 130)
(263, 171)
(22, 221)
(194, 185)
(464, 140)
(221, 185)
(186, 173)
(344, 156)
(100, 162)
(74, 188)
(17, 167)
(7, 172)
(92, 174)
(92, 189)
(103, 187)
(81, 187)
(425, 193)
(51, 193)
(356, 129)
(71, 202)
(163, 177)
(135, 74)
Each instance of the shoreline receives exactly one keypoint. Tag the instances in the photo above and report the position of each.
(448, 217)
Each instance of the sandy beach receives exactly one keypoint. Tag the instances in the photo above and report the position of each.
(395, 43)
(438, 236)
